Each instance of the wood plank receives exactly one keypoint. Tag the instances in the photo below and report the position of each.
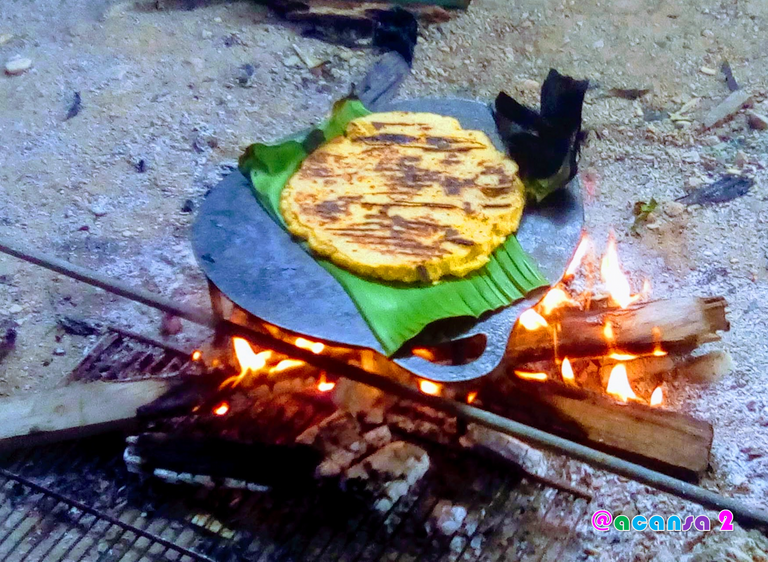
(667, 441)
(74, 411)
(679, 325)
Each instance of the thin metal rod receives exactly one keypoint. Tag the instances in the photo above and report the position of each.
(742, 512)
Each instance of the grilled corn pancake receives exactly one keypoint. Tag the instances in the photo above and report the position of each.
(405, 197)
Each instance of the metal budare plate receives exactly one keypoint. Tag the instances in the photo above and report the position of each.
(261, 269)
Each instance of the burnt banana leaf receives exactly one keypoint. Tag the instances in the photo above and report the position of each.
(546, 143)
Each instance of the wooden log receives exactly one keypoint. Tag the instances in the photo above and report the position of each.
(260, 463)
(74, 411)
(678, 325)
(666, 441)
(359, 14)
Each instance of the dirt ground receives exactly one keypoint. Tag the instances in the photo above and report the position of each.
(164, 115)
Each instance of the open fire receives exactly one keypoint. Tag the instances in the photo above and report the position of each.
(613, 289)
(590, 284)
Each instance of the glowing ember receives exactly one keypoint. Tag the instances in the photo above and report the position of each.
(324, 385)
(249, 361)
(313, 346)
(197, 355)
(429, 387)
(221, 409)
(555, 298)
(286, 365)
(567, 371)
(613, 277)
(471, 397)
(529, 376)
(657, 398)
(581, 251)
(532, 320)
(618, 384)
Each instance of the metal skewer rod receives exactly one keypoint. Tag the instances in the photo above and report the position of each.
(741, 512)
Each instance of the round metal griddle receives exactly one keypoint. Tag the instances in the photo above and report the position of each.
(261, 269)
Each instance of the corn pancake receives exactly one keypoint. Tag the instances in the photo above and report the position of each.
(405, 197)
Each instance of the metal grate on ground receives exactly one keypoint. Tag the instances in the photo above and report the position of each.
(76, 501)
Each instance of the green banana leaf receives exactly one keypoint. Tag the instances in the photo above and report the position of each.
(395, 311)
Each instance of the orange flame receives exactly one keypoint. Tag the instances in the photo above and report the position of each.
(657, 349)
(613, 277)
(286, 365)
(567, 371)
(657, 398)
(532, 320)
(555, 298)
(221, 409)
(578, 256)
(196, 355)
(531, 376)
(429, 387)
(608, 331)
(471, 397)
(645, 292)
(325, 385)
(424, 353)
(623, 356)
(618, 384)
(249, 361)
(313, 346)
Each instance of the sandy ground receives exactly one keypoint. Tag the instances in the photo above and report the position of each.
(162, 88)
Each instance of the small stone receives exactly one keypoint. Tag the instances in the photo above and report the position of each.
(17, 66)
(530, 85)
(757, 121)
(15, 308)
(98, 209)
(196, 63)
(708, 71)
(188, 206)
(599, 44)
(206, 34)
(292, 60)
(694, 183)
(740, 160)
(674, 208)
(707, 33)
(245, 75)
(170, 325)
(217, 19)
(59, 351)
(5, 37)
(710, 140)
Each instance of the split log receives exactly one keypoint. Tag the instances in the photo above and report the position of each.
(74, 411)
(678, 325)
(667, 441)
